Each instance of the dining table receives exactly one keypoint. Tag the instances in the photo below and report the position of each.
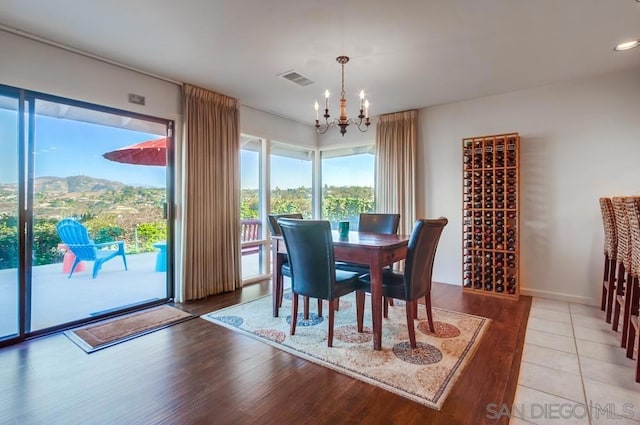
(372, 249)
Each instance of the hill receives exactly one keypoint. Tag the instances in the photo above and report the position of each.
(75, 184)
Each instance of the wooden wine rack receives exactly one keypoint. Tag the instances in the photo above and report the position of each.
(490, 215)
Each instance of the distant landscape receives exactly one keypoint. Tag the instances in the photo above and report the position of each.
(109, 209)
(112, 210)
(77, 196)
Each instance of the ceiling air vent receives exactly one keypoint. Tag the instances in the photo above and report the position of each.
(294, 77)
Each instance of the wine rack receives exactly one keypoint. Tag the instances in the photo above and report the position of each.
(490, 215)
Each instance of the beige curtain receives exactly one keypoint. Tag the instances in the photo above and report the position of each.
(212, 191)
(396, 140)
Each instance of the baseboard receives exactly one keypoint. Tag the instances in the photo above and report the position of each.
(558, 296)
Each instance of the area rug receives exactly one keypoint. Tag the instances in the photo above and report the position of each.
(114, 331)
(425, 374)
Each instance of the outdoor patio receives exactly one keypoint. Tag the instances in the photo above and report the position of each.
(57, 299)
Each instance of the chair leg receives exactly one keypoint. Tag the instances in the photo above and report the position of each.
(619, 291)
(627, 310)
(97, 265)
(412, 332)
(306, 308)
(633, 311)
(385, 308)
(124, 256)
(390, 300)
(337, 304)
(294, 314)
(427, 306)
(415, 309)
(332, 307)
(73, 267)
(605, 283)
(319, 307)
(360, 310)
(281, 289)
(612, 288)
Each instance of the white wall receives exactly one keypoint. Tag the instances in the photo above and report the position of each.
(255, 122)
(40, 67)
(579, 141)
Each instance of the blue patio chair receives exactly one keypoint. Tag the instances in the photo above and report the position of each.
(75, 236)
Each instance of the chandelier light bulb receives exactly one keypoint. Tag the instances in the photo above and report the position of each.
(627, 45)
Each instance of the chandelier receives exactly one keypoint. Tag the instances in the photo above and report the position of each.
(362, 122)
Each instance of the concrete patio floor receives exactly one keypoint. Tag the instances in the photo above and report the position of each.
(57, 299)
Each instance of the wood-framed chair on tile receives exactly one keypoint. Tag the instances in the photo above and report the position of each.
(610, 251)
(633, 212)
(622, 299)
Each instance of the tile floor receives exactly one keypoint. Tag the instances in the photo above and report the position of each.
(573, 370)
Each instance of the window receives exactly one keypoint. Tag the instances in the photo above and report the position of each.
(291, 180)
(347, 184)
(251, 200)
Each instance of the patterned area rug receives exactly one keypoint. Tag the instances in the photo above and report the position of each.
(425, 375)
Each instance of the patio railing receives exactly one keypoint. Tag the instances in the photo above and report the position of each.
(250, 236)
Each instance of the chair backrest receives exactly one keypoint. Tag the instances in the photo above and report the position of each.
(622, 229)
(75, 236)
(273, 222)
(609, 224)
(420, 255)
(310, 249)
(379, 223)
(633, 212)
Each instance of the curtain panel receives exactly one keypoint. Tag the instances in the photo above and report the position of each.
(396, 145)
(212, 194)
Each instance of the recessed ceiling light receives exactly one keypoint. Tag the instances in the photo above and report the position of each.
(627, 45)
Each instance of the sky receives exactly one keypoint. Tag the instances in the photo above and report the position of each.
(69, 148)
(66, 147)
(353, 170)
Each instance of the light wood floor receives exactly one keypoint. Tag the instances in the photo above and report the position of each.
(199, 373)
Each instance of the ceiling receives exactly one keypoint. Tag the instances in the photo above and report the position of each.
(405, 54)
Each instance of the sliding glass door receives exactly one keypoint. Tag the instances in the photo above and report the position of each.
(89, 187)
(9, 212)
(115, 202)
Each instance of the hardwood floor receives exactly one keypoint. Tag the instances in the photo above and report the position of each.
(199, 373)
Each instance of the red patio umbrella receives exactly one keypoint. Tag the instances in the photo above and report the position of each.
(151, 152)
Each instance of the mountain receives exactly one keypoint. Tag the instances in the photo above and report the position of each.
(75, 184)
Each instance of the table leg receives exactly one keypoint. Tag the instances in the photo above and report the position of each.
(376, 301)
(276, 279)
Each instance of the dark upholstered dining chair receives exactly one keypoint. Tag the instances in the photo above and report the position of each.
(415, 282)
(313, 274)
(274, 227)
(379, 223)
(373, 223)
